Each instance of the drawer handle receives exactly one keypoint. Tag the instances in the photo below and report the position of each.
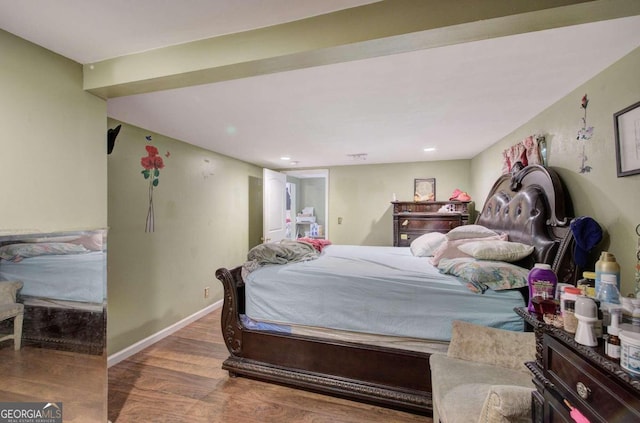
(583, 390)
(405, 222)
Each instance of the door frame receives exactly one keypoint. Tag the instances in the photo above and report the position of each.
(316, 173)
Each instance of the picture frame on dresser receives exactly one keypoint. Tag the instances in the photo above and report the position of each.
(626, 124)
(424, 189)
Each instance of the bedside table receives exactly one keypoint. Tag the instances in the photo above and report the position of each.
(565, 370)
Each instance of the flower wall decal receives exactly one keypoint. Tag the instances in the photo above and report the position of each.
(151, 164)
(584, 134)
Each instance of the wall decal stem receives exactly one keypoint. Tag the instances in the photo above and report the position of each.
(584, 134)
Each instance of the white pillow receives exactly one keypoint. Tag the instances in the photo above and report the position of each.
(449, 249)
(470, 231)
(496, 250)
(425, 245)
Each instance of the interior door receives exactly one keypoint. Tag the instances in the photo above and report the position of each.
(274, 205)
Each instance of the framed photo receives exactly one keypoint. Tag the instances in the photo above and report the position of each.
(424, 189)
(626, 125)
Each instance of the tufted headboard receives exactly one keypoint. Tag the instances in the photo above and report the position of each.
(533, 207)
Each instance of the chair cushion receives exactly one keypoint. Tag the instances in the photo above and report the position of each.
(507, 403)
(449, 375)
(463, 403)
(492, 346)
(8, 291)
(10, 310)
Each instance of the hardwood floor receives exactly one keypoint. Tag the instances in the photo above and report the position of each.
(35, 374)
(179, 379)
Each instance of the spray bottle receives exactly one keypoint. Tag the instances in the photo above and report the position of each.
(612, 347)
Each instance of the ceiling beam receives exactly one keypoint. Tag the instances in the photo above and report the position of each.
(376, 29)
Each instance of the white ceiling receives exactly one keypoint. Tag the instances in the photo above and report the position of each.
(459, 99)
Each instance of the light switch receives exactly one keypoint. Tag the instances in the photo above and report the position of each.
(339, 221)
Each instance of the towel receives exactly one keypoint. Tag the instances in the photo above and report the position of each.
(587, 234)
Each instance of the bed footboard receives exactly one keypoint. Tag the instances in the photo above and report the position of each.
(383, 376)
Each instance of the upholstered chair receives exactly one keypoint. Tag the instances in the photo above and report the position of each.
(482, 377)
(9, 308)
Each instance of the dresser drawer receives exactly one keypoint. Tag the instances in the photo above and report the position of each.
(431, 224)
(588, 388)
(405, 238)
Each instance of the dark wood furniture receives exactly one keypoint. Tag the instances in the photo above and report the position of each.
(530, 206)
(67, 329)
(595, 385)
(63, 328)
(412, 219)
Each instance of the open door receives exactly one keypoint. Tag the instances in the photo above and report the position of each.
(274, 206)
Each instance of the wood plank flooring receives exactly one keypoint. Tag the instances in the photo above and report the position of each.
(35, 374)
(179, 379)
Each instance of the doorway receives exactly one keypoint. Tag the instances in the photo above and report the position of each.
(300, 189)
(311, 189)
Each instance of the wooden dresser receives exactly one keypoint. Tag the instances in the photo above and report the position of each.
(412, 219)
(565, 370)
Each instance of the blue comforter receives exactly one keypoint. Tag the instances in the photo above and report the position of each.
(379, 290)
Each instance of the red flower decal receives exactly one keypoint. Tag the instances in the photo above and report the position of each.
(151, 165)
(585, 102)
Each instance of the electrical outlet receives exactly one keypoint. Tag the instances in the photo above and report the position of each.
(206, 292)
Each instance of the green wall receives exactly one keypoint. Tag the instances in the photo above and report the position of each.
(361, 195)
(53, 160)
(201, 223)
(614, 202)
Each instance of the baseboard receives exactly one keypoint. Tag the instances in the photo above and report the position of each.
(115, 358)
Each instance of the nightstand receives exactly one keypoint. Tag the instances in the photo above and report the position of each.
(565, 370)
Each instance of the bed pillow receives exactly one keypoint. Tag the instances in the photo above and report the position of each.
(17, 252)
(481, 275)
(449, 248)
(55, 238)
(425, 245)
(91, 242)
(470, 231)
(497, 250)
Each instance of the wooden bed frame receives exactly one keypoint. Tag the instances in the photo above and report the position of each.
(531, 205)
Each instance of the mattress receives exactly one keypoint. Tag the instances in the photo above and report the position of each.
(396, 342)
(69, 277)
(374, 290)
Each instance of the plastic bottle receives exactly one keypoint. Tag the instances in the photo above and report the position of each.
(612, 348)
(588, 283)
(570, 321)
(542, 286)
(607, 265)
(608, 290)
(569, 293)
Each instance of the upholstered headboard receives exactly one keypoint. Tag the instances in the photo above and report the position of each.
(533, 207)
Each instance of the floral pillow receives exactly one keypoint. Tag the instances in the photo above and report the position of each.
(17, 252)
(481, 275)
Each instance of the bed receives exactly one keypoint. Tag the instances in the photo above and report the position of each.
(64, 288)
(388, 363)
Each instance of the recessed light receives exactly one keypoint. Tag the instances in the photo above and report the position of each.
(285, 158)
(429, 149)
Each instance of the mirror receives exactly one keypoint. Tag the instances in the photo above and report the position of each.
(61, 358)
